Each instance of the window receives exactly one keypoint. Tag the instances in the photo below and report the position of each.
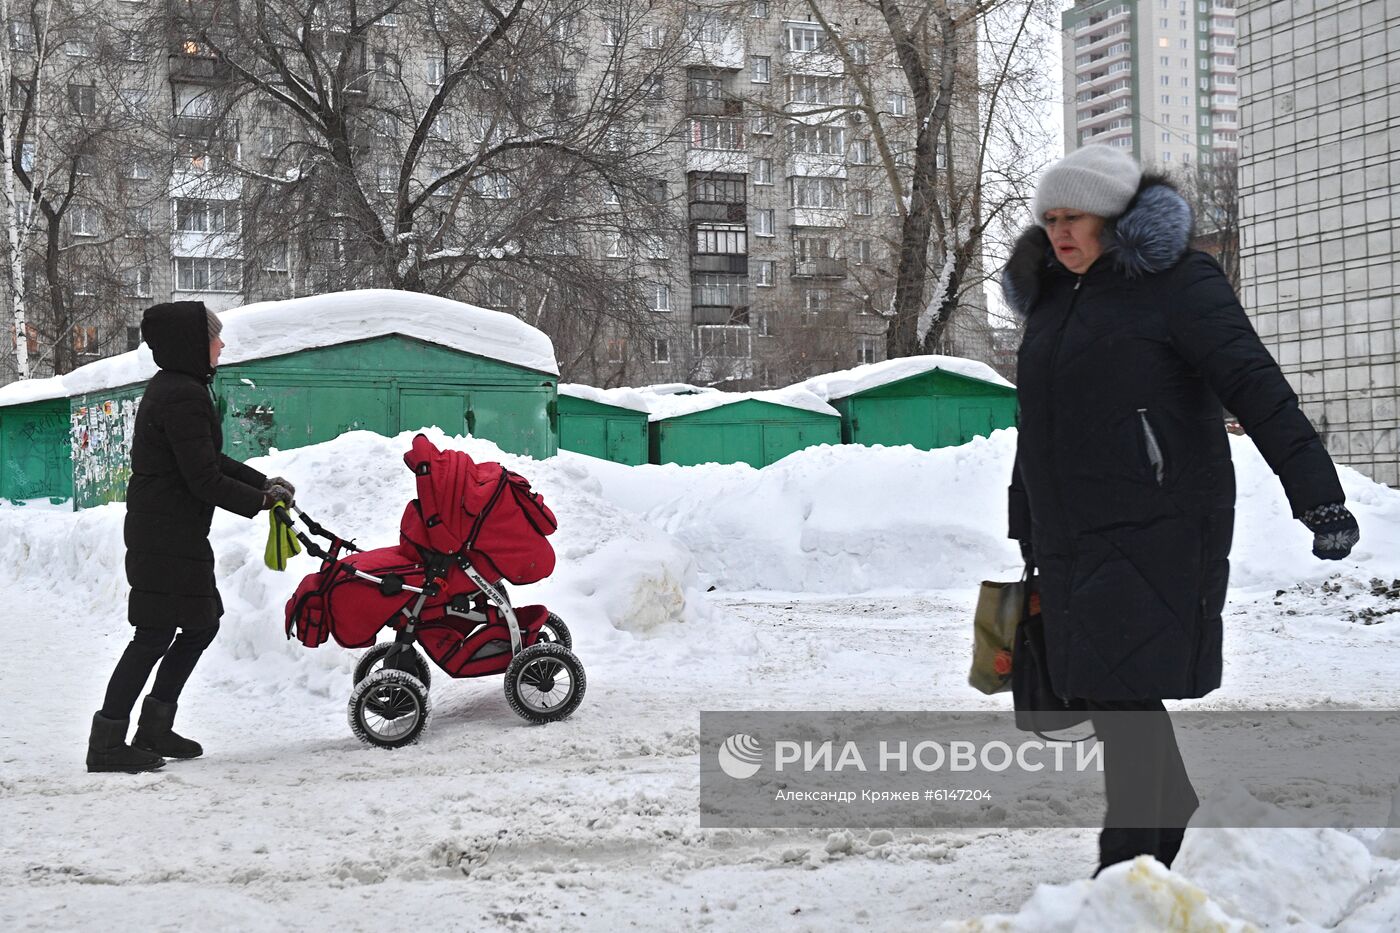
(860, 252)
(763, 172)
(612, 31)
(815, 89)
(818, 140)
(721, 240)
(1165, 61)
(22, 35)
(867, 349)
(84, 165)
(83, 98)
(760, 69)
(717, 188)
(705, 27)
(193, 216)
(138, 221)
(653, 245)
(818, 192)
(272, 140)
(82, 285)
(899, 104)
(1204, 45)
(1164, 23)
(763, 222)
(660, 296)
(617, 350)
(1166, 99)
(1186, 100)
(617, 246)
(276, 258)
(859, 53)
(1166, 137)
(493, 185)
(707, 133)
(1166, 156)
(136, 283)
(718, 341)
(762, 124)
(660, 350)
(809, 248)
(802, 37)
(197, 274)
(860, 152)
(763, 271)
(77, 48)
(815, 300)
(83, 220)
(437, 67)
(1165, 80)
(653, 36)
(705, 88)
(759, 9)
(860, 201)
(133, 99)
(1183, 44)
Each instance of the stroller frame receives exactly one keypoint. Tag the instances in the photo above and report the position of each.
(435, 565)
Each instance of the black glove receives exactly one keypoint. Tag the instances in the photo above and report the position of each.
(1027, 552)
(1334, 529)
(277, 492)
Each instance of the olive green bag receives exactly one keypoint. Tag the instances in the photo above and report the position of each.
(1000, 608)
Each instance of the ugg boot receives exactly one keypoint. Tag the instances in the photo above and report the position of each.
(154, 732)
(108, 751)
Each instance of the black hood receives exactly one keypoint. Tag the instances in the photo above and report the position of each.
(178, 334)
(1150, 236)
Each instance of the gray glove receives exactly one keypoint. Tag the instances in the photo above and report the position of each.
(280, 481)
(276, 492)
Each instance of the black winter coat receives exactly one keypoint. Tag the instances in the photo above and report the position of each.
(1123, 481)
(178, 476)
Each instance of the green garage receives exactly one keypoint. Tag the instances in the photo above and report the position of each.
(307, 370)
(610, 424)
(34, 450)
(757, 428)
(925, 401)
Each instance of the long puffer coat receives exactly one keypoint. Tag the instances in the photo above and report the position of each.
(178, 476)
(1123, 481)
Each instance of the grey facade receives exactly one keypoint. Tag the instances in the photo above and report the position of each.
(1319, 203)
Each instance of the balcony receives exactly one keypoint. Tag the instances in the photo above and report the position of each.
(186, 68)
(203, 127)
(734, 315)
(713, 212)
(1098, 21)
(1100, 114)
(714, 107)
(822, 267)
(725, 263)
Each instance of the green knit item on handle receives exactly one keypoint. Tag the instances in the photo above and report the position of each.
(282, 543)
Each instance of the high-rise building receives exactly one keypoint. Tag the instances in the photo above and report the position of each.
(1155, 77)
(1319, 206)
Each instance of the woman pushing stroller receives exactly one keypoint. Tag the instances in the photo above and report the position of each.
(178, 476)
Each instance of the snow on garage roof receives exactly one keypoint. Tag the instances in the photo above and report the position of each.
(673, 406)
(276, 328)
(862, 378)
(618, 398)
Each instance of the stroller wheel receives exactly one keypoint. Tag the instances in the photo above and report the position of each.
(545, 682)
(554, 630)
(389, 709)
(373, 660)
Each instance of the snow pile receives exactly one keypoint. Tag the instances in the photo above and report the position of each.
(673, 406)
(275, 328)
(872, 375)
(616, 577)
(847, 519)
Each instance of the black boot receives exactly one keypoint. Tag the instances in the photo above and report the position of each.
(154, 732)
(108, 751)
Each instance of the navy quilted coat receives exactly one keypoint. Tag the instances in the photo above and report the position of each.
(1123, 481)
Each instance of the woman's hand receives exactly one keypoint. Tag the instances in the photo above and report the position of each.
(1334, 529)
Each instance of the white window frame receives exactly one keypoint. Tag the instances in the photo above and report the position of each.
(763, 220)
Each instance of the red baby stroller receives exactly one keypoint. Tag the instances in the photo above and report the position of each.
(473, 526)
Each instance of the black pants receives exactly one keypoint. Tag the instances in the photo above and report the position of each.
(1150, 797)
(177, 655)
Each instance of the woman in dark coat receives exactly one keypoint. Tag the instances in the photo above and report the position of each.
(178, 477)
(1123, 492)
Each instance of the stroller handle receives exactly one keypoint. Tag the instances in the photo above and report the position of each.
(282, 512)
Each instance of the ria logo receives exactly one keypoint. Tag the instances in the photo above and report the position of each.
(740, 756)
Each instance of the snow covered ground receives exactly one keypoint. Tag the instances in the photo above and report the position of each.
(844, 579)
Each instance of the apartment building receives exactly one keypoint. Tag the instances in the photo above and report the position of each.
(1155, 77)
(782, 254)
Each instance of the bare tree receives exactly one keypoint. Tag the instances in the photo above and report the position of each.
(508, 153)
(76, 95)
(1213, 190)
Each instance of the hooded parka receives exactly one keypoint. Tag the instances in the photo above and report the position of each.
(1123, 481)
(178, 476)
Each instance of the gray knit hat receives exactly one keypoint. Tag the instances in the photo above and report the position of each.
(1095, 179)
(215, 325)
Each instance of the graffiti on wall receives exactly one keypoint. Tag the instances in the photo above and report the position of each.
(100, 436)
(34, 463)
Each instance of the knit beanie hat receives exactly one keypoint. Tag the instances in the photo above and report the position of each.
(1098, 180)
(215, 325)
